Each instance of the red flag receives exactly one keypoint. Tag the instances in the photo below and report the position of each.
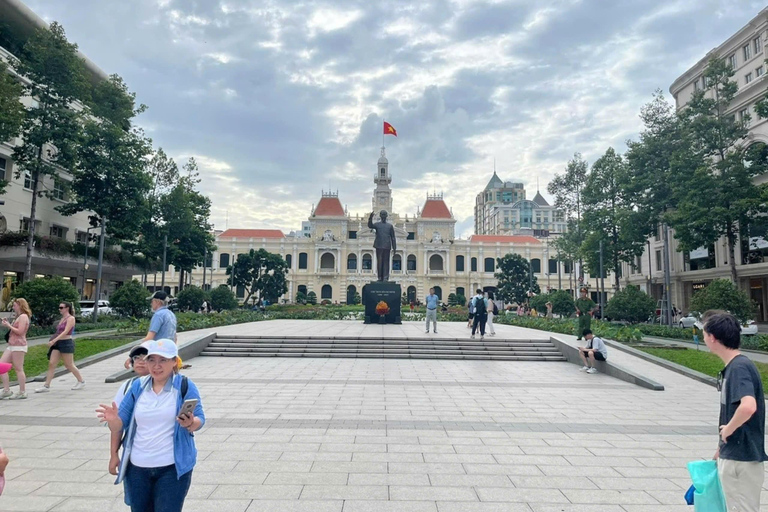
(389, 129)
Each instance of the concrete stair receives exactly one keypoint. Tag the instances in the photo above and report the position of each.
(491, 348)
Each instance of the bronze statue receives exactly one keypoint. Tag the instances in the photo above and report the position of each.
(384, 243)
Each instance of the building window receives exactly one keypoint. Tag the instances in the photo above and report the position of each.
(240, 291)
(3, 165)
(327, 261)
(552, 266)
(352, 235)
(731, 62)
(489, 265)
(536, 265)
(747, 52)
(758, 42)
(303, 289)
(658, 261)
(459, 263)
(748, 77)
(411, 235)
(58, 232)
(302, 261)
(352, 262)
(223, 260)
(567, 267)
(744, 116)
(759, 71)
(639, 265)
(411, 262)
(435, 263)
(460, 291)
(326, 292)
(81, 237)
(59, 190)
(367, 262)
(473, 264)
(28, 180)
(289, 260)
(397, 262)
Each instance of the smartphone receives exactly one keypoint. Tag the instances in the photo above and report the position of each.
(187, 407)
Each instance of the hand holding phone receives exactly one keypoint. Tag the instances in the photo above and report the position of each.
(186, 415)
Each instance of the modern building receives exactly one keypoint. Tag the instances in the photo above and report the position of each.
(61, 249)
(337, 258)
(691, 271)
(495, 193)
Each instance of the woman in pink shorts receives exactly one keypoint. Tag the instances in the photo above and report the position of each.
(17, 349)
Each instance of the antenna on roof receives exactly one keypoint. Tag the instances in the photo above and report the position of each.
(494, 165)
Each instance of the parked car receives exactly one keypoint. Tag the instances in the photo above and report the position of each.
(749, 329)
(689, 320)
(86, 308)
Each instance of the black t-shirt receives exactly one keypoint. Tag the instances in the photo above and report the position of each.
(747, 443)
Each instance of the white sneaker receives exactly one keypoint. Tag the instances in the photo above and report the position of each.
(592, 370)
(79, 385)
(44, 389)
(481, 336)
(7, 393)
(472, 337)
(585, 368)
(21, 395)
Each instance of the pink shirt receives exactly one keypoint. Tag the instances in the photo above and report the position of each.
(21, 323)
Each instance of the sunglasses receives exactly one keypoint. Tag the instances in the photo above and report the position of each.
(62, 307)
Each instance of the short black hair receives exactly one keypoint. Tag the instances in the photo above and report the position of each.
(479, 291)
(724, 328)
(586, 331)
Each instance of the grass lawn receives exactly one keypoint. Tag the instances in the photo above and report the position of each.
(700, 361)
(36, 361)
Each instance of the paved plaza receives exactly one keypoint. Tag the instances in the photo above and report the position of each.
(370, 435)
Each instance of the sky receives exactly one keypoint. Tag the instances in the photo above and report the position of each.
(279, 100)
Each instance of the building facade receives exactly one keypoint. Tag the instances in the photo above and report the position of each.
(337, 258)
(495, 193)
(691, 271)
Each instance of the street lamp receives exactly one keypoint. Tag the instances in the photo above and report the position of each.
(85, 258)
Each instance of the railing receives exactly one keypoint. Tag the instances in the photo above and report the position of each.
(410, 272)
(327, 270)
(367, 271)
(397, 271)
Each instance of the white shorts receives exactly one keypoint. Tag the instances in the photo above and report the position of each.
(17, 348)
(742, 483)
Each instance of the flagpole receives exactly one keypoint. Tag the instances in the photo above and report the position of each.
(382, 133)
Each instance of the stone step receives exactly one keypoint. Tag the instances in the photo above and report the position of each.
(355, 355)
(384, 350)
(390, 342)
(383, 345)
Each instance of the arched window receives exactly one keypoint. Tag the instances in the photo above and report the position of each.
(289, 260)
(397, 262)
(351, 291)
(302, 260)
(459, 263)
(435, 263)
(352, 262)
(303, 289)
(438, 292)
(327, 261)
(367, 262)
(383, 172)
(411, 262)
(552, 266)
(536, 265)
(223, 260)
(326, 292)
(489, 265)
(460, 291)
(473, 264)
(411, 293)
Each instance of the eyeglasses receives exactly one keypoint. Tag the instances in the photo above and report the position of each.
(62, 307)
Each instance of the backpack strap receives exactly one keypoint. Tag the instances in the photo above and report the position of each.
(184, 387)
(129, 384)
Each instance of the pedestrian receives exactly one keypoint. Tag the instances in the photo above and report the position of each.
(137, 355)
(432, 301)
(549, 309)
(413, 305)
(492, 312)
(204, 307)
(584, 308)
(471, 315)
(741, 448)
(163, 323)
(17, 349)
(481, 316)
(520, 310)
(159, 450)
(594, 351)
(62, 346)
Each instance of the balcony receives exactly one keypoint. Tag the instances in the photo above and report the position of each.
(367, 271)
(327, 270)
(397, 272)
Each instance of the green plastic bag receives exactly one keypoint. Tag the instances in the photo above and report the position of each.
(709, 495)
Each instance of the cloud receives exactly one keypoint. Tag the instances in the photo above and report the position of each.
(281, 99)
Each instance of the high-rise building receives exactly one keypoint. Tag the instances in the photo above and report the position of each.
(496, 192)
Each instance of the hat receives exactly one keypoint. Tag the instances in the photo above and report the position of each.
(5, 368)
(163, 347)
(138, 350)
(159, 296)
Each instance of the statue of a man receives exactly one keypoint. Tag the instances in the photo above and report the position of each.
(384, 243)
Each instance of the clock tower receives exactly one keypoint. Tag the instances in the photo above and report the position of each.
(382, 194)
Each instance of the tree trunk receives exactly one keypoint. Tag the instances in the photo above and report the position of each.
(731, 256)
(32, 216)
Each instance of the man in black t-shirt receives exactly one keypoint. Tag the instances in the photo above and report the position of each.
(741, 451)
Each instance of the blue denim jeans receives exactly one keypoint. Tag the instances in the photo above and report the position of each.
(156, 489)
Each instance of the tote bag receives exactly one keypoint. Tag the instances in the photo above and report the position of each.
(708, 496)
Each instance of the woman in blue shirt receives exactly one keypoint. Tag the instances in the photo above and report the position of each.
(159, 450)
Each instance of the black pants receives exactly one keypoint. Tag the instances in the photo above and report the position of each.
(479, 320)
(382, 264)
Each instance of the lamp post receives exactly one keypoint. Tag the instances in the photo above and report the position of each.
(85, 260)
(165, 264)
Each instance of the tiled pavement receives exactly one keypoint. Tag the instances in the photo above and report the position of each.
(346, 435)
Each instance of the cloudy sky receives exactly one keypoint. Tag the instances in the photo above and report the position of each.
(281, 99)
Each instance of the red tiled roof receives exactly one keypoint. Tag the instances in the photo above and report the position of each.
(252, 233)
(435, 209)
(505, 239)
(329, 207)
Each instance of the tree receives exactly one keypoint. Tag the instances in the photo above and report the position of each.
(514, 276)
(610, 216)
(312, 298)
(50, 128)
(720, 200)
(562, 302)
(11, 108)
(455, 299)
(260, 273)
(725, 295)
(568, 189)
(44, 294)
(301, 298)
(222, 298)
(191, 298)
(356, 299)
(130, 300)
(630, 304)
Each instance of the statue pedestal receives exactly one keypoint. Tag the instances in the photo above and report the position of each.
(378, 291)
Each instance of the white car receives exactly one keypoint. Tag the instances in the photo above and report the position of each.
(86, 308)
(748, 329)
(688, 320)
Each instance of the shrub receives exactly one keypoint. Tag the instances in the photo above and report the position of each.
(191, 298)
(562, 302)
(130, 300)
(312, 298)
(44, 295)
(723, 294)
(631, 305)
(356, 299)
(222, 298)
